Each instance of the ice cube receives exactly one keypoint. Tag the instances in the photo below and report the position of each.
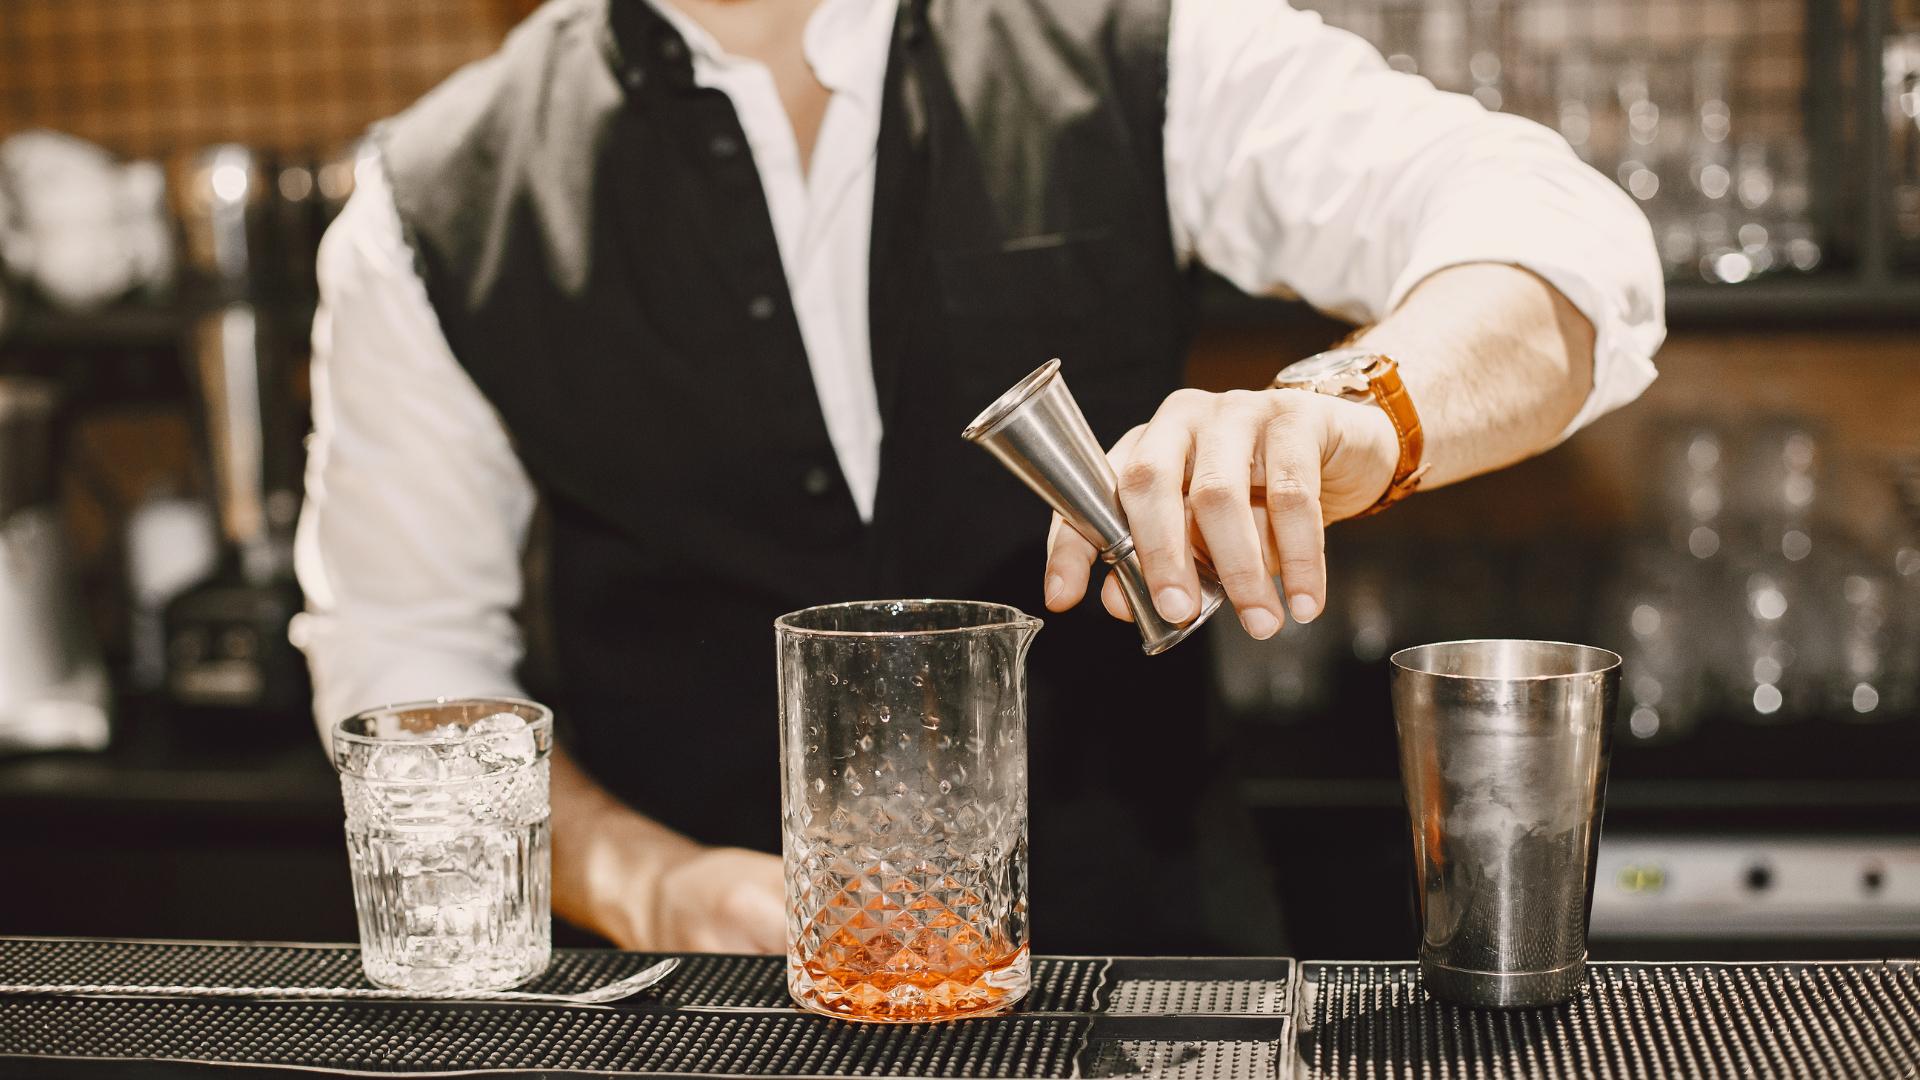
(508, 743)
(399, 761)
(466, 763)
(501, 723)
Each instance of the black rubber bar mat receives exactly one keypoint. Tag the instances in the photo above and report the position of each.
(715, 1016)
(1069, 984)
(1857, 1021)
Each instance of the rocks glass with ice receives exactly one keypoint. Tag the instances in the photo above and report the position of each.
(903, 753)
(447, 840)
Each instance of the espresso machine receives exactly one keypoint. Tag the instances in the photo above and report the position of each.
(53, 687)
(230, 670)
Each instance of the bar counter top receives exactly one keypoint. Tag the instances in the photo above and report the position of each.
(1085, 1017)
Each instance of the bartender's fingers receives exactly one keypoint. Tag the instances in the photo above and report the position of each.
(1224, 514)
(1153, 481)
(720, 900)
(1069, 559)
(1291, 475)
(1070, 556)
(1114, 600)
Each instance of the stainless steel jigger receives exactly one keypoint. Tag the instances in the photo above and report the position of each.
(1503, 753)
(1038, 432)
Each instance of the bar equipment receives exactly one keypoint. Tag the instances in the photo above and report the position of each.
(1900, 75)
(448, 843)
(53, 687)
(1503, 754)
(618, 990)
(229, 660)
(903, 754)
(1038, 432)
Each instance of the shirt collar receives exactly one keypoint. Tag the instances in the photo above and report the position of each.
(845, 41)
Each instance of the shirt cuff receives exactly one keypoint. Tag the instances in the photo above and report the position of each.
(357, 668)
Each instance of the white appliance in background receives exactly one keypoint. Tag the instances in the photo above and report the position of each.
(173, 544)
(53, 687)
(1757, 887)
(86, 228)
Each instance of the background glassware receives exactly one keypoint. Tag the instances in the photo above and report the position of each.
(1782, 621)
(1694, 111)
(903, 754)
(1901, 75)
(447, 840)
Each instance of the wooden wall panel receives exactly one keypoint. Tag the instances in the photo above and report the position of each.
(150, 77)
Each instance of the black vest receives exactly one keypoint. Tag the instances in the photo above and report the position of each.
(594, 238)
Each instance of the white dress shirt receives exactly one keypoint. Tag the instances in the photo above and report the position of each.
(1297, 163)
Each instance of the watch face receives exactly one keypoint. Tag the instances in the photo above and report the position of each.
(1325, 366)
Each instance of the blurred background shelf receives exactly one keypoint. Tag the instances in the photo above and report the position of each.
(1813, 300)
(122, 326)
(1810, 300)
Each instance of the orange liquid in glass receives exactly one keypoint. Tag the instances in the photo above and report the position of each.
(905, 997)
(905, 954)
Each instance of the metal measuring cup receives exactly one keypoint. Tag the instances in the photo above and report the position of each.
(1503, 754)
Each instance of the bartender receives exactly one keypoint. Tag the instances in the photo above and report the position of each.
(715, 284)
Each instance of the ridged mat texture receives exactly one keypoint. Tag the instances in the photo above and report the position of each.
(715, 1016)
(1086, 1017)
(399, 1038)
(750, 982)
(1850, 1021)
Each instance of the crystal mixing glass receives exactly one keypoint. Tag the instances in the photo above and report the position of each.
(903, 752)
(447, 840)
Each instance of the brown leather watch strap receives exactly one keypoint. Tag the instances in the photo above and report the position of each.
(1390, 393)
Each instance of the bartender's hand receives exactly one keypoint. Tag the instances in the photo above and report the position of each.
(718, 900)
(1247, 479)
(1498, 363)
(644, 886)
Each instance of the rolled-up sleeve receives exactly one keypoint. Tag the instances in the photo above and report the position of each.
(1299, 163)
(416, 507)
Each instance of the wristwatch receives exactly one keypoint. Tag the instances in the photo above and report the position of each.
(1363, 375)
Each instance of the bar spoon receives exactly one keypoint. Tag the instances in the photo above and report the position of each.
(600, 995)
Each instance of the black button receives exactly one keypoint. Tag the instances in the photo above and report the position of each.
(1873, 879)
(760, 308)
(634, 76)
(672, 48)
(818, 481)
(1759, 878)
(724, 146)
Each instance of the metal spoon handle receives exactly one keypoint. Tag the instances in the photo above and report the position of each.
(612, 991)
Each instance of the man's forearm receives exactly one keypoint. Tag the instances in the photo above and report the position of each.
(645, 886)
(600, 848)
(1497, 362)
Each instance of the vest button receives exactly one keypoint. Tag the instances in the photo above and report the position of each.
(671, 48)
(817, 482)
(760, 308)
(635, 77)
(724, 146)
